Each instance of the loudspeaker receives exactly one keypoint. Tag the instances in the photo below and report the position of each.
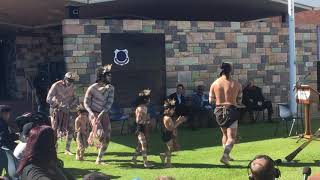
(73, 12)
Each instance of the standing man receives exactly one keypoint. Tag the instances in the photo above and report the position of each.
(98, 101)
(61, 98)
(226, 94)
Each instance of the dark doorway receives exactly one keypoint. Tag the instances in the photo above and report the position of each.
(6, 62)
(3, 72)
(145, 69)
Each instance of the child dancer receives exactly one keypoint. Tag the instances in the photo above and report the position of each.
(168, 129)
(82, 128)
(142, 119)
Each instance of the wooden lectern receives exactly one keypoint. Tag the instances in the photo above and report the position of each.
(306, 95)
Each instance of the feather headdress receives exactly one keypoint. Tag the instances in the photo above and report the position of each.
(145, 92)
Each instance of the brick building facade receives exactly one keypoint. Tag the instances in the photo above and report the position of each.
(195, 49)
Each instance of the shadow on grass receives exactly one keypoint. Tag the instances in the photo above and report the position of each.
(206, 137)
(79, 173)
(139, 165)
(210, 137)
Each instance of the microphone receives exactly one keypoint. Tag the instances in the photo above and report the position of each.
(307, 75)
(299, 80)
(278, 162)
(306, 172)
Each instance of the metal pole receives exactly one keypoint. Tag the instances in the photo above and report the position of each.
(292, 57)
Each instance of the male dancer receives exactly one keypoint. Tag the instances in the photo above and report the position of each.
(226, 94)
(98, 101)
(61, 99)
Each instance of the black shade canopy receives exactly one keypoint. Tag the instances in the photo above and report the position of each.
(194, 10)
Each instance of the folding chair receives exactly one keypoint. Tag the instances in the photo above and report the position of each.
(286, 116)
(116, 114)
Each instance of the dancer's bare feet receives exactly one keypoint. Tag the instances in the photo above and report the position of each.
(68, 152)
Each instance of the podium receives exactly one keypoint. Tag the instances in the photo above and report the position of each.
(306, 95)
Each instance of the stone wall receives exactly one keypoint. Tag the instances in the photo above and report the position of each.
(194, 51)
(32, 48)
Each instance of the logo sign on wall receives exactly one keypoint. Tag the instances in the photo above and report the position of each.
(121, 57)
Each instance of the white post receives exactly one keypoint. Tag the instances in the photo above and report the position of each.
(292, 58)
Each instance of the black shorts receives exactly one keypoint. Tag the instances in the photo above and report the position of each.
(226, 115)
(140, 128)
(167, 136)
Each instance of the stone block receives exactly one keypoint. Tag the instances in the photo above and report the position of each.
(83, 59)
(79, 53)
(69, 59)
(98, 22)
(220, 35)
(209, 36)
(71, 47)
(70, 21)
(188, 61)
(148, 22)
(69, 40)
(242, 39)
(72, 29)
(90, 29)
(194, 37)
(195, 75)
(172, 76)
(205, 25)
(132, 25)
(235, 25)
(183, 25)
(197, 50)
(147, 29)
(184, 76)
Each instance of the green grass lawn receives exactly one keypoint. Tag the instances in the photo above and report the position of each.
(199, 157)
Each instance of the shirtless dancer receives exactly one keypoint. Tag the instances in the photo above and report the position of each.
(61, 98)
(142, 120)
(82, 128)
(227, 95)
(98, 101)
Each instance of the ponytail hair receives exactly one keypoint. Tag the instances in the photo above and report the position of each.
(225, 70)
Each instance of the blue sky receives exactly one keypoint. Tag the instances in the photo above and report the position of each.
(314, 3)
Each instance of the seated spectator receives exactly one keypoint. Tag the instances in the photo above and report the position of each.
(262, 167)
(178, 96)
(25, 123)
(201, 109)
(8, 163)
(96, 176)
(254, 101)
(40, 160)
(7, 136)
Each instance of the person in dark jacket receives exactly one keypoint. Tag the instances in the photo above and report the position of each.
(7, 137)
(254, 100)
(201, 109)
(178, 96)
